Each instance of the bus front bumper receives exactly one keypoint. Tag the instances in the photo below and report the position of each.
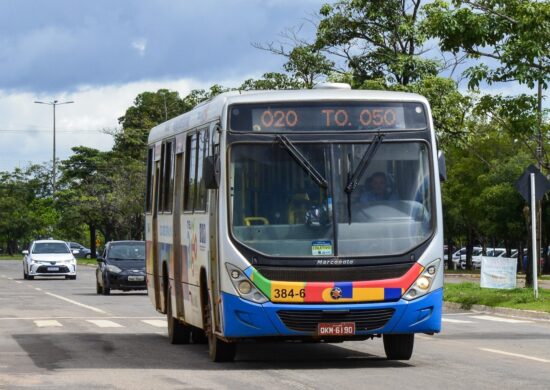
(244, 319)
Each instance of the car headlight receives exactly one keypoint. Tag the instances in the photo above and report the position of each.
(422, 285)
(113, 268)
(244, 286)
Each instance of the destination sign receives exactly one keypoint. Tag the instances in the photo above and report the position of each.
(326, 116)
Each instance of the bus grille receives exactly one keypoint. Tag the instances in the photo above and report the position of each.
(334, 274)
(307, 320)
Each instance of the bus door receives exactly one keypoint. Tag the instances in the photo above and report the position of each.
(178, 255)
(215, 265)
(155, 228)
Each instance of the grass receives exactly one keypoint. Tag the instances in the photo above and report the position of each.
(8, 257)
(468, 294)
(86, 261)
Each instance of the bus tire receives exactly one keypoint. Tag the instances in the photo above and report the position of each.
(399, 346)
(219, 350)
(178, 333)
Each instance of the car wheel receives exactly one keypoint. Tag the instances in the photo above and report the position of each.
(30, 277)
(399, 346)
(106, 290)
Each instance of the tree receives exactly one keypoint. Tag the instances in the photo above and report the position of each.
(515, 34)
(377, 39)
(270, 81)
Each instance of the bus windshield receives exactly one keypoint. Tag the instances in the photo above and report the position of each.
(279, 209)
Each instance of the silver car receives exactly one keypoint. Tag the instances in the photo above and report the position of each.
(49, 258)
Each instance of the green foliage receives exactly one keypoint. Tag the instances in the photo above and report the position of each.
(306, 63)
(271, 81)
(515, 33)
(377, 39)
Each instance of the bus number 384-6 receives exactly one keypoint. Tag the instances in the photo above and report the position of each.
(290, 293)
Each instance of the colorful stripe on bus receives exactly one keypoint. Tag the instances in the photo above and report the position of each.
(334, 292)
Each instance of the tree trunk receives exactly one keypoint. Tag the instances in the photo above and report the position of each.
(469, 249)
(449, 254)
(93, 241)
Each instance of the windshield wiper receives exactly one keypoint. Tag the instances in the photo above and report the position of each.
(353, 180)
(302, 161)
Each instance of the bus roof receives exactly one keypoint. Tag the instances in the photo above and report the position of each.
(212, 109)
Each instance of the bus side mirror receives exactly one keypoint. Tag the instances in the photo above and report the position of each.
(442, 166)
(211, 172)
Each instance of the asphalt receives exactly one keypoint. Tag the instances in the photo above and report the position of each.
(58, 334)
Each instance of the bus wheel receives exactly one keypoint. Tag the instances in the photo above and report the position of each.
(399, 346)
(219, 350)
(178, 333)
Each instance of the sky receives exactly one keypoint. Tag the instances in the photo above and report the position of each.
(101, 54)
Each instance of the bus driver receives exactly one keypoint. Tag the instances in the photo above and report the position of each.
(378, 190)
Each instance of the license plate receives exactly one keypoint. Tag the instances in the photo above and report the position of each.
(53, 268)
(136, 278)
(336, 329)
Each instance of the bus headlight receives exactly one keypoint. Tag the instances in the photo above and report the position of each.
(423, 283)
(246, 289)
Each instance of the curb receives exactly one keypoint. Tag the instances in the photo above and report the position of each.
(539, 315)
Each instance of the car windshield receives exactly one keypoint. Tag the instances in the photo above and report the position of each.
(127, 251)
(50, 247)
(278, 209)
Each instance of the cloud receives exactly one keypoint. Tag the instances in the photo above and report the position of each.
(60, 45)
(140, 45)
(26, 128)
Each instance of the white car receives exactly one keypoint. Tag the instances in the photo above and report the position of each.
(49, 258)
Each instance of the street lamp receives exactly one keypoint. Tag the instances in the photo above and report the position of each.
(53, 104)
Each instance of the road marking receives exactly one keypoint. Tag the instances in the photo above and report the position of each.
(501, 319)
(157, 323)
(38, 289)
(536, 359)
(72, 318)
(105, 323)
(453, 321)
(18, 281)
(47, 323)
(76, 303)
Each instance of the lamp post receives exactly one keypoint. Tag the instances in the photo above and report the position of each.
(53, 104)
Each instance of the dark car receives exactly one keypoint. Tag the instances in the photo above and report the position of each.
(121, 267)
(83, 252)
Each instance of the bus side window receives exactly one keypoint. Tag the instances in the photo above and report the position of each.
(160, 180)
(190, 172)
(168, 177)
(149, 193)
(200, 201)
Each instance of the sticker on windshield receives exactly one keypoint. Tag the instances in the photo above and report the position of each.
(321, 248)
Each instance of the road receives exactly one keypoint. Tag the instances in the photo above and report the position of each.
(58, 334)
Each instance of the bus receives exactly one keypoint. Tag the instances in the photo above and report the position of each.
(304, 215)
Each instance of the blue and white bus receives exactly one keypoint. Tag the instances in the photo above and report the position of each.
(308, 215)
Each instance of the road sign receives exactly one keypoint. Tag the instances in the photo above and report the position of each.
(532, 185)
(523, 184)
